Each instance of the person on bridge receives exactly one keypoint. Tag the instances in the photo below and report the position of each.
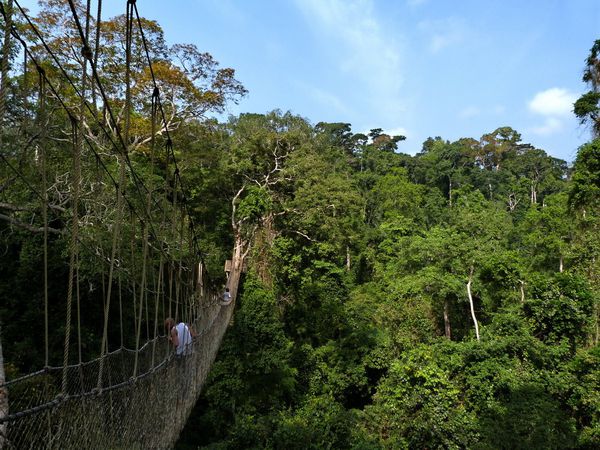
(226, 297)
(181, 336)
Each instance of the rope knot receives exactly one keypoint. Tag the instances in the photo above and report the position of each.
(41, 71)
(156, 92)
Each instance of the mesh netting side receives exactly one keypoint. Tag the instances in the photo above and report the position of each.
(144, 412)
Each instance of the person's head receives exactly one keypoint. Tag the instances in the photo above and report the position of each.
(226, 289)
(169, 323)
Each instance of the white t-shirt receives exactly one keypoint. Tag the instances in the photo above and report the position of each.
(185, 339)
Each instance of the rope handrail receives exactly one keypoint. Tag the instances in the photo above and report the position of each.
(163, 115)
(61, 397)
(114, 400)
(111, 353)
(135, 176)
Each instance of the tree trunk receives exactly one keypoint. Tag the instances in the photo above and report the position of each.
(522, 291)
(595, 335)
(450, 191)
(447, 330)
(471, 303)
(561, 264)
(347, 258)
(3, 400)
(263, 244)
(237, 264)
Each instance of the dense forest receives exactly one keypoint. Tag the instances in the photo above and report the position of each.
(444, 299)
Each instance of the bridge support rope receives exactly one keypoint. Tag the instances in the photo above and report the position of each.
(129, 398)
(146, 411)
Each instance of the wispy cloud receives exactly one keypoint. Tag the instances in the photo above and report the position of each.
(393, 131)
(553, 102)
(444, 33)
(556, 105)
(364, 50)
(550, 126)
(327, 99)
(471, 111)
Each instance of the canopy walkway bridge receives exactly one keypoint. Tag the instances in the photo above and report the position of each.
(90, 176)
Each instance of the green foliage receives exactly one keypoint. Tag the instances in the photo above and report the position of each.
(585, 191)
(353, 326)
(560, 308)
(319, 423)
(418, 406)
(255, 204)
(584, 395)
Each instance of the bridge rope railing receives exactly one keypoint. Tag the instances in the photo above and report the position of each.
(129, 397)
(143, 217)
(144, 411)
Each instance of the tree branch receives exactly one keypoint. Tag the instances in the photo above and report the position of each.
(28, 227)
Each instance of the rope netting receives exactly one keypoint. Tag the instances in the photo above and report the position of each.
(113, 220)
(119, 412)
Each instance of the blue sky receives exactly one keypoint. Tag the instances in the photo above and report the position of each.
(449, 68)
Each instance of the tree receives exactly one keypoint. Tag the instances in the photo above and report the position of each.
(587, 107)
(547, 233)
(417, 405)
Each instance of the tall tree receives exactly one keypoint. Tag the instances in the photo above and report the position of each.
(587, 107)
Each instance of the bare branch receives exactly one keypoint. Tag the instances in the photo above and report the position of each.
(304, 236)
(234, 207)
(12, 207)
(28, 227)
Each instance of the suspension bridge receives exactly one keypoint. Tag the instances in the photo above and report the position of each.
(90, 175)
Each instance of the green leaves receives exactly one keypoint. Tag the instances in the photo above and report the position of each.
(560, 308)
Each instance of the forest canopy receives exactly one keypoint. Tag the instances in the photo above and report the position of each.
(446, 299)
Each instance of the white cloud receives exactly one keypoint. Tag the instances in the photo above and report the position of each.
(556, 105)
(553, 102)
(398, 131)
(552, 125)
(363, 50)
(443, 33)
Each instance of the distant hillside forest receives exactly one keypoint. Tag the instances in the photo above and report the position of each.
(445, 300)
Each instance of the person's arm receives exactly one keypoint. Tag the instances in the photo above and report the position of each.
(174, 337)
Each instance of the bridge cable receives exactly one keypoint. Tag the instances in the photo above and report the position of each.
(135, 177)
(170, 147)
(42, 130)
(137, 181)
(7, 12)
(72, 246)
(86, 51)
(67, 110)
